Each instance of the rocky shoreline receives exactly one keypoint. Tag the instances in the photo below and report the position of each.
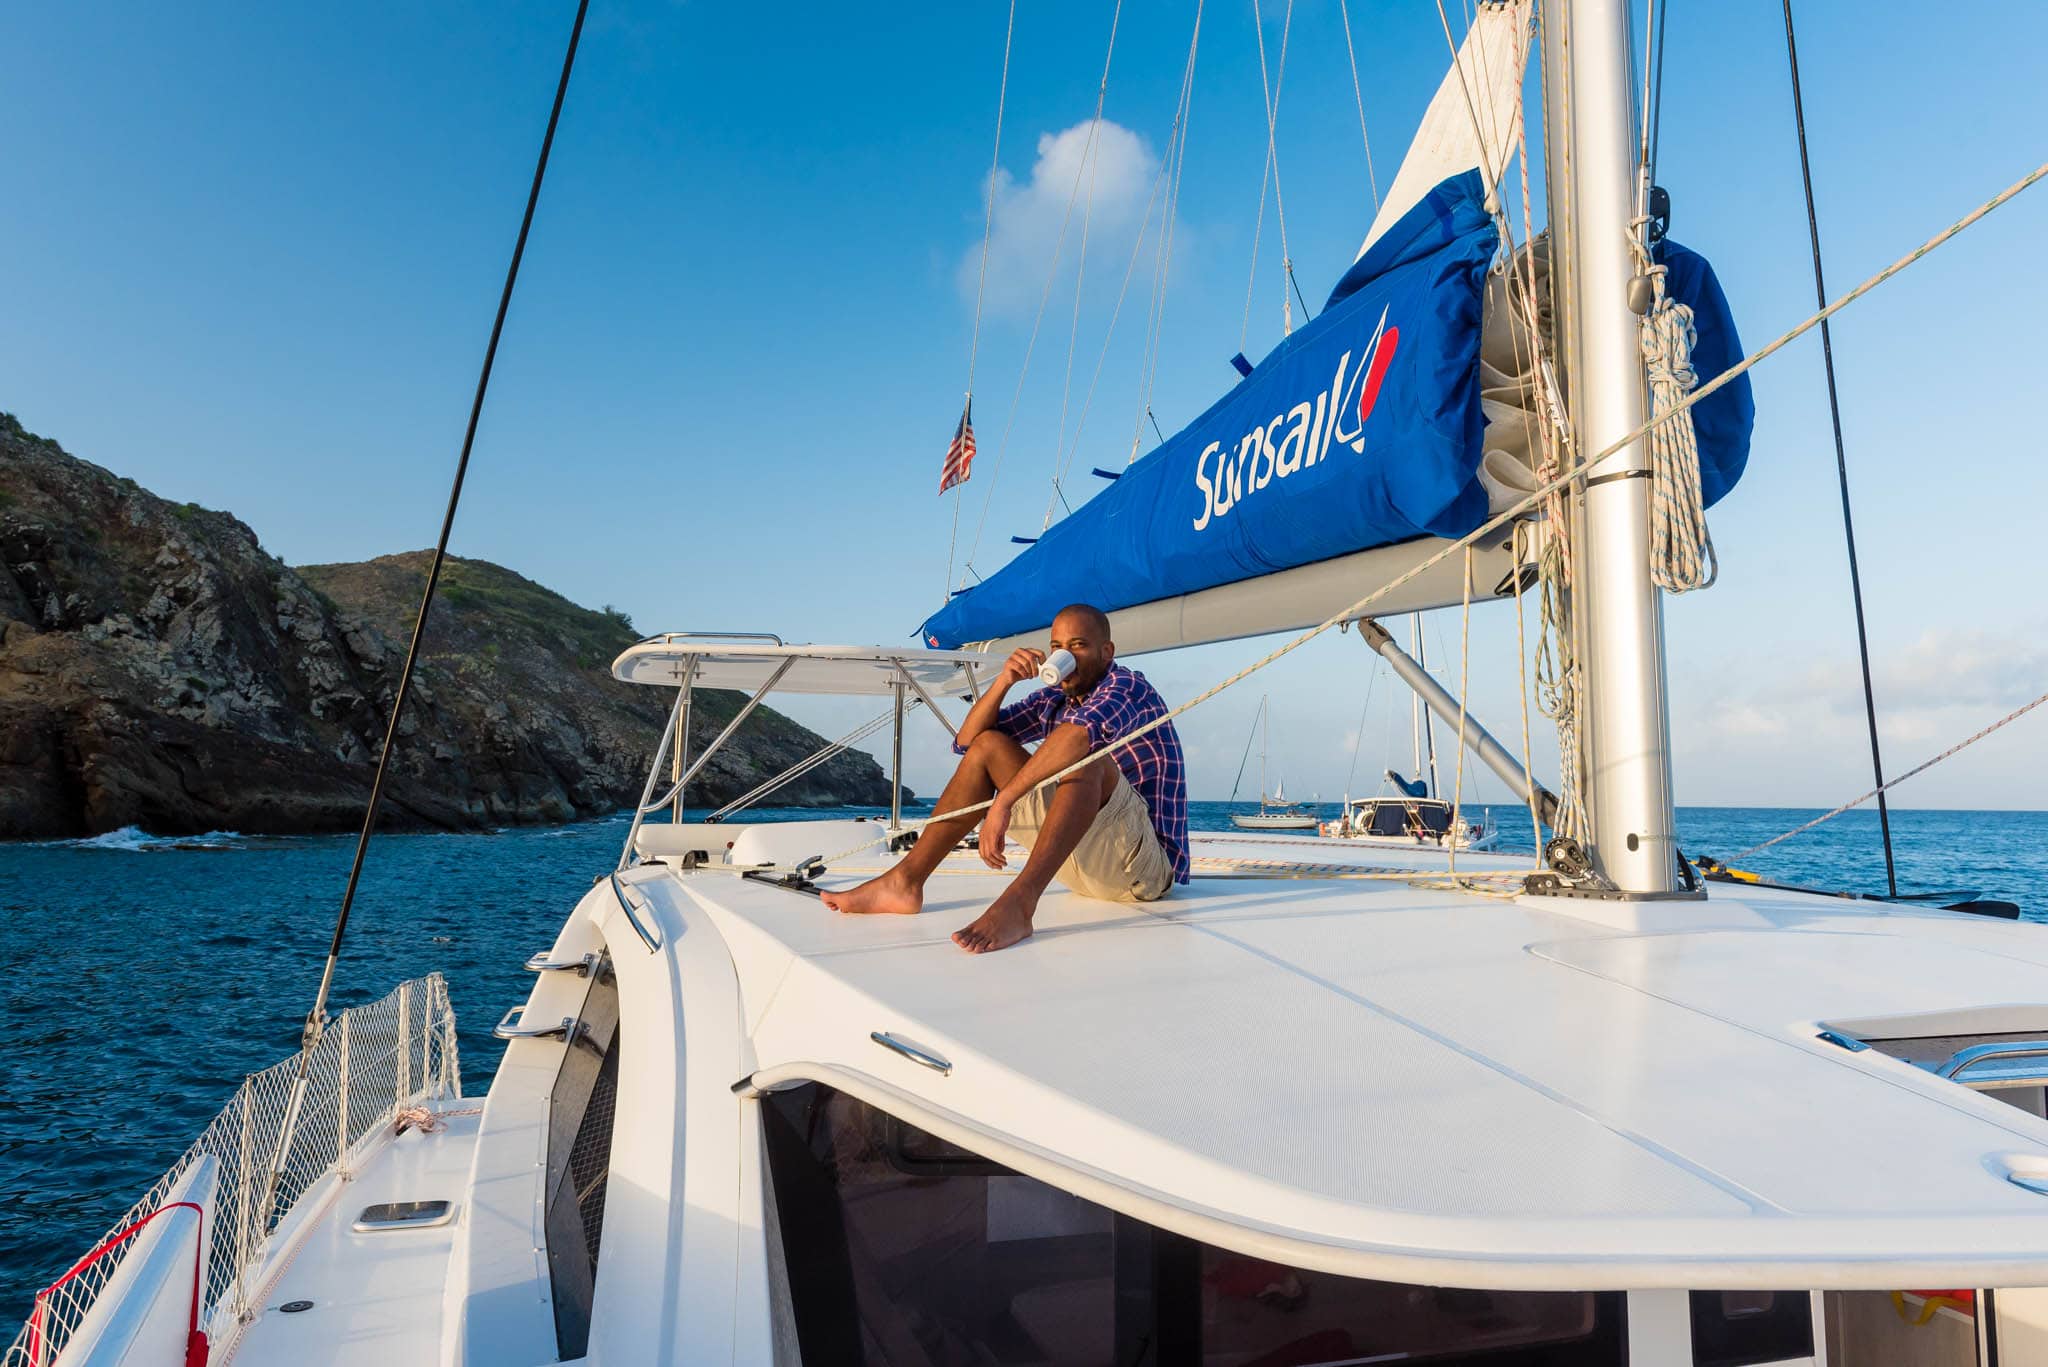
(160, 669)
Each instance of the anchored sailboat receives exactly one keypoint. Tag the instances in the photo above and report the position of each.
(1587, 1111)
(1275, 813)
(1413, 814)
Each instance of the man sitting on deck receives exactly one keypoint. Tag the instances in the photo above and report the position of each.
(1117, 829)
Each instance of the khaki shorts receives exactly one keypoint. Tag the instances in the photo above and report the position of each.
(1120, 858)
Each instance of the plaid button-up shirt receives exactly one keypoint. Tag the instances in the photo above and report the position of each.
(1121, 702)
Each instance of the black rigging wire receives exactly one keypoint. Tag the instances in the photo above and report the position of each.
(1308, 314)
(1827, 348)
(316, 1019)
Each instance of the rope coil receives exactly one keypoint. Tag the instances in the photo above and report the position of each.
(1681, 549)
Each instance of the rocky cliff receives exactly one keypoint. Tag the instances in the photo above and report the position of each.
(158, 668)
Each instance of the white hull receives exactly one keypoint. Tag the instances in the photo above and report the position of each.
(1486, 841)
(1273, 822)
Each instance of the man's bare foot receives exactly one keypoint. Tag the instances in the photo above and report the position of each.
(1007, 920)
(890, 893)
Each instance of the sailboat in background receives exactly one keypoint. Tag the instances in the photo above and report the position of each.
(1412, 814)
(1275, 813)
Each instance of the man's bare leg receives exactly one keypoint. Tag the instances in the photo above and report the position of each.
(992, 759)
(1075, 804)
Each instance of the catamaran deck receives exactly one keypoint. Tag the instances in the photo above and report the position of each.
(1406, 1083)
(1380, 1079)
(335, 1295)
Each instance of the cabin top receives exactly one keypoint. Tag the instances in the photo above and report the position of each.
(1415, 1083)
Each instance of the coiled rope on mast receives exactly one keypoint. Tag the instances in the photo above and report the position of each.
(1681, 548)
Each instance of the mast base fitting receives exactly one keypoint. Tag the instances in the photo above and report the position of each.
(1572, 875)
(1567, 858)
(1551, 885)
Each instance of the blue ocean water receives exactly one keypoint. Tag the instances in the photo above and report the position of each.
(146, 976)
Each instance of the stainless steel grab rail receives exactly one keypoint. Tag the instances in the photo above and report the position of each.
(582, 968)
(1964, 1060)
(911, 1051)
(505, 1029)
(670, 637)
(647, 937)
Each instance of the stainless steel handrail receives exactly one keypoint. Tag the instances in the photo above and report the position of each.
(668, 732)
(911, 1051)
(582, 968)
(505, 1029)
(1963, 1060)
(718, 741)
(671, 637)
(647, 937)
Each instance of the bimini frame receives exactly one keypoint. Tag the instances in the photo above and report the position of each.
(763, 663)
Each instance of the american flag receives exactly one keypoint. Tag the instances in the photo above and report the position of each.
(960, 455)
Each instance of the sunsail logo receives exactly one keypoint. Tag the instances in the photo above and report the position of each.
(1227, 475)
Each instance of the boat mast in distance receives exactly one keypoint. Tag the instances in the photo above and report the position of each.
(1628, 735)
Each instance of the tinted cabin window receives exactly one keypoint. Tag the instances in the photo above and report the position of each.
(1741, 1328)
(902, 1249)
(1389, 821)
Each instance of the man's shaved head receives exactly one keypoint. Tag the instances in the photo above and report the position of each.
(1092, 620)
(1083, 631)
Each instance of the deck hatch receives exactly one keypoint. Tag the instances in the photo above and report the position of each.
(404, 1215)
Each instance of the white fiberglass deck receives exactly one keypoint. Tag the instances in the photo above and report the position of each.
(1429, 1086)
(370, 1299)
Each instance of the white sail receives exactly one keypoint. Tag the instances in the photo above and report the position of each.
(1480, 88)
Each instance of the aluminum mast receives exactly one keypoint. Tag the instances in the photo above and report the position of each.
(1618, 610)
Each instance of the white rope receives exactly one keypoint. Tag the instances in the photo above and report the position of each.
(1270, 100)
(1051, 275)
(1515, 510)
(1522, 697)
(1177, 155)
(988, 227)
(1358, 94)
(1681, 549)
(1088, 401)
(1059, 441)
(1166, 174)
(1960, 745)
(1558, 675)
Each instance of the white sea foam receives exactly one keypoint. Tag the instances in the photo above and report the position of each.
(135, 840)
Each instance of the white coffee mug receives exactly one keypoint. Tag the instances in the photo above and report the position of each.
(1057, 667)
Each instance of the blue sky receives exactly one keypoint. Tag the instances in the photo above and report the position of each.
(250, 255)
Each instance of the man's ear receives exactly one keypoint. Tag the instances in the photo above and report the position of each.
(1109, 653)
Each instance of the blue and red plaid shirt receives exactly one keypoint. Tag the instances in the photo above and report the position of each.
(1121, 702)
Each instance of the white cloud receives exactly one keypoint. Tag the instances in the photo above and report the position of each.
(1118, 172)
(1930, 694)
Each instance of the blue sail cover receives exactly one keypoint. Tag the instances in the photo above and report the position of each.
(1360, 430)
